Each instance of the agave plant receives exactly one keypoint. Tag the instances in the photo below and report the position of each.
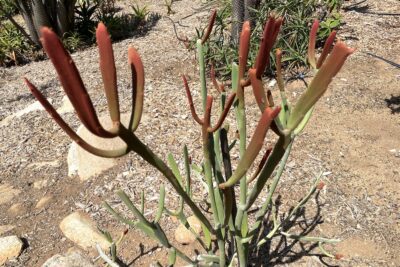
(230, 223)
(55, 14)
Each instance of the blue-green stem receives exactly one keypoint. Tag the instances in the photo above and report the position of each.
(148, 155)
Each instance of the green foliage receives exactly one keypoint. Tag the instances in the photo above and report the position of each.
(298, 16)
(74, 22)
(73, 41)
(13, 45)
(55, 14)
(328, 25)
(85, 12)
(140, 12)
(8, 7)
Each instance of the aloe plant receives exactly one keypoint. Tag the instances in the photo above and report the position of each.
(55, 14)
(230, 222)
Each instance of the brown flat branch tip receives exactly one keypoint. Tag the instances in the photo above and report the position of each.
(209, 28)
(224, 113)
(190, 99)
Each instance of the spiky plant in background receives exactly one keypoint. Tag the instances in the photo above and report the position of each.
(55, 14)
(231, 224)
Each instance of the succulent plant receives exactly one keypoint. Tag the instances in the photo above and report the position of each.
(55, 14)
(230, 223)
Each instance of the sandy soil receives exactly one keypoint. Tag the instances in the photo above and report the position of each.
(354, 136)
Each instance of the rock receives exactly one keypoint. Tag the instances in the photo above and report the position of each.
(10, 247)
(70, 259)
(7, 193)
(86, 165)
(40, 184)
(32, 107)
(16, 209)
(66, 106)
(6, 228)
(44, 201)
(80, 229)
(185, 236)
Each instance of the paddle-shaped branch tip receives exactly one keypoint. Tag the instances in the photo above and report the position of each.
(311, 43)
(190, 99)
(108, 71)
(209, 27)
(72, 83)
(137, 70)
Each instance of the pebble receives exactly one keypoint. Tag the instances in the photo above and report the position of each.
(80, 229)
(7, 193)
(66, 106)
(185, 236)
(70, 259)
(10, 248)
(16, 209)
(40, 184)
(43, 202)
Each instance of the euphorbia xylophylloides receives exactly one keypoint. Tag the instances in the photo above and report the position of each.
(235, 230)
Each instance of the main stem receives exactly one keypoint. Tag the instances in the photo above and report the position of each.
(148, 155)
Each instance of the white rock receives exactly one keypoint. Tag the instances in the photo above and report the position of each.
(32, 107)
(7, 193)
(86, 165)
(71, 259)
(185, 236)
(80, 229)
(66, 106)
(6, 228)
(10, 247)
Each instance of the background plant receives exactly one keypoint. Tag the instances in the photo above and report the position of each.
(73, 21)
(55, 14)
(298, 16)
(231, 222)
(13, 45)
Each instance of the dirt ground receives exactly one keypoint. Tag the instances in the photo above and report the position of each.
(353, 136)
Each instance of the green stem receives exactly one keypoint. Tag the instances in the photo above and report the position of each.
(272, 162)
(264, 208)
(241, 123)
(148, 155)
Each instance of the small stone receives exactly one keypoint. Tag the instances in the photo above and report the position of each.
(40, 184)
(44, 201)
(272, 83)
(66, 106)
(70, 259)
(16, 209)
(185, 236)
(10, 247)
(80, 229)
(7, 193)
(6, 228)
